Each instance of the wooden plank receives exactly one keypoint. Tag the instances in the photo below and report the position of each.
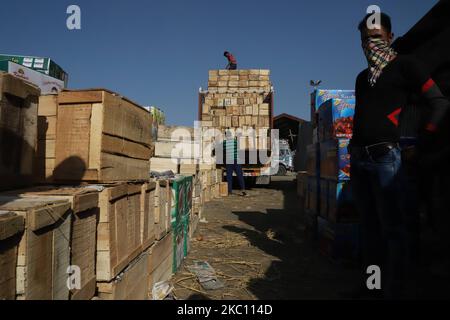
(122, 147)
(118, 168)
(148, 214)
(10, 224)
(95, 139)
(61, 258)
(83, 252)
(18, 131)
(77, 97)
(8, 260)
(48, 105)
(132, 284)
(118, 238)
(124, 119)
(164, 164)
(72, 145)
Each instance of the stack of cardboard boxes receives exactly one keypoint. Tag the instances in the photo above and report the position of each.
(328, 204)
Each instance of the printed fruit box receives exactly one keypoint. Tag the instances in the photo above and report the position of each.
(340, 202)
(336, 119)
(321, 96)
(335, 159)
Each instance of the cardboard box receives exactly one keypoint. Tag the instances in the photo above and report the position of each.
(336, 119)
(43, 65)
(335, 160)
(47, 84)
(313, 159)
(320, 96)
(339, 241)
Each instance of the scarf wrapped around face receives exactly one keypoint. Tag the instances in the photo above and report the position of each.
(378, 54)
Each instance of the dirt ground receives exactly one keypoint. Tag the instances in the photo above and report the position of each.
(259, 250)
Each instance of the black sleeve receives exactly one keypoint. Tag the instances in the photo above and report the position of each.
(419, 81)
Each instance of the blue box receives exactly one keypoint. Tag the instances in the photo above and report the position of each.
(335, 159)
(320, 96)
(336, 119)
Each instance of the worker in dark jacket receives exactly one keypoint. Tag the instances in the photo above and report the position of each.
(382, 91)
(232, 63)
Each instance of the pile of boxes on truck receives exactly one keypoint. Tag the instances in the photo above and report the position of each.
(329, 207)
(241, 100)
(76, 196)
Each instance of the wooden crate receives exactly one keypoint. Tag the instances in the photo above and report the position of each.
(223, 189)
(44, 249)
(131, 284)
(148, 214)
(119, 230)
(101, 137)
(18, 131)
(162, 209)
(85, 217)
(160, 262)
(45, 155)
(164, 164)
(193, 224)
(11, 229)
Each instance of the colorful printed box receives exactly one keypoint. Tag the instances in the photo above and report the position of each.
(336, 119)
(335, 159)
(320, 96)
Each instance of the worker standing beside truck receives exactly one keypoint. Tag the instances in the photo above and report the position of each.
(232, 162)
(382, 91)
(232, 63)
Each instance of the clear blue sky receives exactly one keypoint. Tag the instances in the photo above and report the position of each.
(159, 52)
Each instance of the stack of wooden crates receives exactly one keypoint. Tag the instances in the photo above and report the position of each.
(77, 209)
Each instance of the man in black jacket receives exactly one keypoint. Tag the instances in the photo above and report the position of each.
(382, 92)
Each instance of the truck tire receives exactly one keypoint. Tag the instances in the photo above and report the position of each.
(281, 170)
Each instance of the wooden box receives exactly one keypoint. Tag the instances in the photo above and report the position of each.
(83, 241)
(18, 131)
(162, 209)
(119, 229)
(44, 249)
(223, 189)
(101, 137)
(164, 164)
(11, 229)
(45, 155)
(148, 214)
(160, 262)
(130, 285)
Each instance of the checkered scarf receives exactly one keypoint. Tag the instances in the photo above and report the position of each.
(378, 54)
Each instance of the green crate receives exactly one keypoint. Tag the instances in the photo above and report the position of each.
(178, 204)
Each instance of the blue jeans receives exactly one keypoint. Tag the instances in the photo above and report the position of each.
(238, 169)
(377, 192)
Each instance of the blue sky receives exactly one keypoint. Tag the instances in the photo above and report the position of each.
(159, 52)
